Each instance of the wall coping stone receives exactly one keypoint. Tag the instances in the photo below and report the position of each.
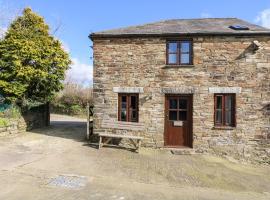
(224, 89)
(128, 89)
(178, 90)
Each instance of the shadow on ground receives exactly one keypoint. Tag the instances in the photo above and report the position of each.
(68, 127)
(74, 129)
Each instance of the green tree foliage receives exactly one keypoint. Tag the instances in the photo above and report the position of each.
(32, 62)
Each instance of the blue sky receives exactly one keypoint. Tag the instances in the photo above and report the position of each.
(81, 17)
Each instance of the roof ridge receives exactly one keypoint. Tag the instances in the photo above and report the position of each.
(180, 19)
(202, 18)
(166, 20)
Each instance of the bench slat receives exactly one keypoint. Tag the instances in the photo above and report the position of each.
(120, 136)
(122, 125)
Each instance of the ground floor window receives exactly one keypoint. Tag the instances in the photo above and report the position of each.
(225, 110)
(128, 107)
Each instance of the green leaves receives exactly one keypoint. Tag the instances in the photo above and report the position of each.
(32, 62)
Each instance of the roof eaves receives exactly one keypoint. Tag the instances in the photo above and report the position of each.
(132, 35)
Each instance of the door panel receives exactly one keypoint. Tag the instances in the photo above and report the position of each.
(178, 120)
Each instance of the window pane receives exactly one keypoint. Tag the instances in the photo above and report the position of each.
(172, 115)
(124, 101)
(124, 105)
(124, 98)
(185, 47)
(218, 116)
(123, 108)
(182, 104)
(184, 58)
(123, 115)
(228, 117)
(228, 102)
(173, 104)
(182, 115)
(172, 59)
(133, 102)
(134, 117)
(172, 47)
(219, 102)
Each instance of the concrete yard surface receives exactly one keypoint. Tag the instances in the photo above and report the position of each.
(57, 163)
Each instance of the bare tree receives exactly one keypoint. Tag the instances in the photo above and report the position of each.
(56, 26)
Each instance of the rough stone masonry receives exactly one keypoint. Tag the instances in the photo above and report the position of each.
(221, 64)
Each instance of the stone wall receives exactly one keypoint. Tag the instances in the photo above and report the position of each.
(14, 127)
(36, 117)
(236, 64)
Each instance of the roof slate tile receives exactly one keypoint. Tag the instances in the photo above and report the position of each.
(202, 26)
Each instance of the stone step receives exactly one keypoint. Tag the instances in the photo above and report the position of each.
(182, 151)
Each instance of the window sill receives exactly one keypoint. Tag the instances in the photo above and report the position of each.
(223, 128)
(178, 66)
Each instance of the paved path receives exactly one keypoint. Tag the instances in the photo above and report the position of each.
(57, 163)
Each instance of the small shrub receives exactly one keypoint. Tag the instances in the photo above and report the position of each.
(12, 111)
(76, 109)
(3, 122)
(72, 100)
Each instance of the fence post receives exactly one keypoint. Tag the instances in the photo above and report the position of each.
(88, 122)
(47, 107)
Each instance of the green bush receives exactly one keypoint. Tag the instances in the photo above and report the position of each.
(12, 111)
(76, 109)
(4, 106)
(3, 122)
(72, 100)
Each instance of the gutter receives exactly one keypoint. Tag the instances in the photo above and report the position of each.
(93, 36)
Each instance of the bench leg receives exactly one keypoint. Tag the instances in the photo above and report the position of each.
(136, 144)
(132, 141)
(107, 140)
(100, 142)
(139, 146)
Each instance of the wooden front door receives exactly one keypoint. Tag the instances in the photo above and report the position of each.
(178, 121)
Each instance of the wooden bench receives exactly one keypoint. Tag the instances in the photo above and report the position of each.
(135, 140)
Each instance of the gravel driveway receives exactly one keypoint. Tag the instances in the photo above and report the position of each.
(57, 163)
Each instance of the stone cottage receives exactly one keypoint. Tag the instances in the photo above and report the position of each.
(196, 83)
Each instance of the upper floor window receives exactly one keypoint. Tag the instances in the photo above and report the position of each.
(179, 52)
(225, 110)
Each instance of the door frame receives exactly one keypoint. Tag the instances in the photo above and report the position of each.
(190, 128)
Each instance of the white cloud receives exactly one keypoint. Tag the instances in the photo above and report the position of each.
(3, 30)
(264, 18)
(80, 73)
(205, 15)
(65, 46)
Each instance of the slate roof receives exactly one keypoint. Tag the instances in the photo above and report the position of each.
(204, 26)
